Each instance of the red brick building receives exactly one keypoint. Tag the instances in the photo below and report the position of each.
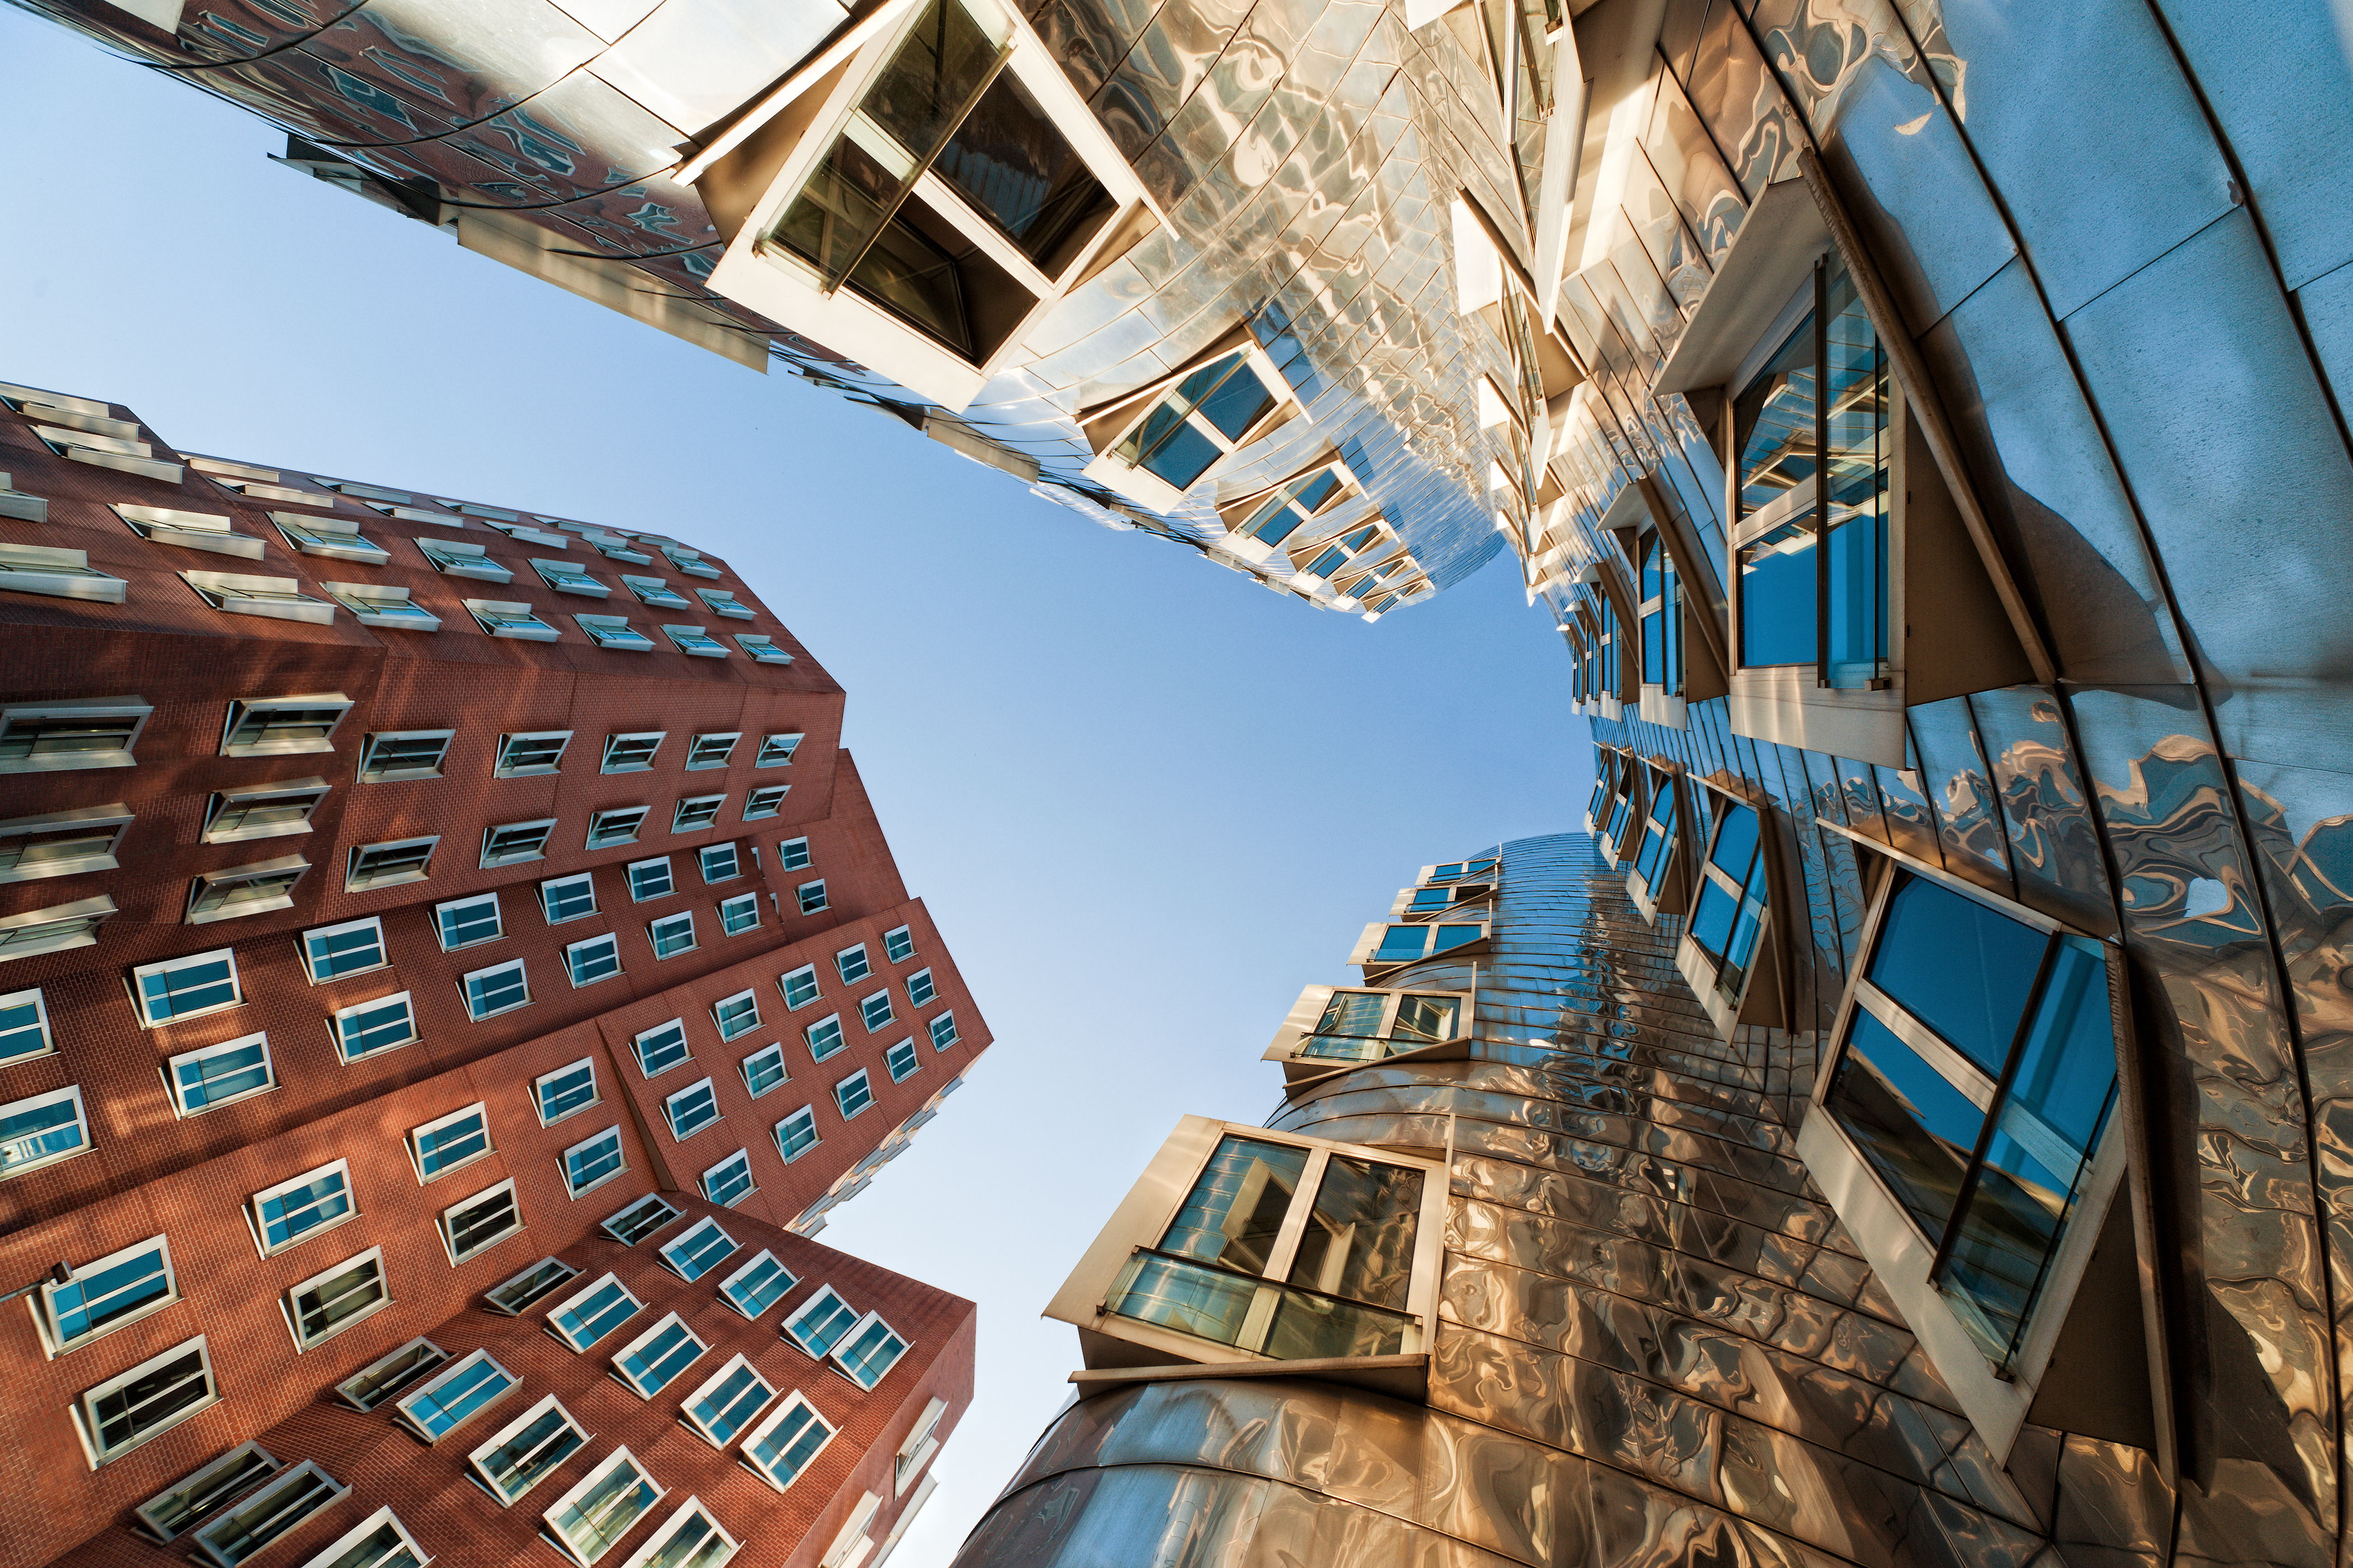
(449, 968)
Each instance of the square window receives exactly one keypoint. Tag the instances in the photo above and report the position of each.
(899, 942)
(694, 1251)
(776, 751)
(454, 1395)
(386, 864)
(294, 1211)
(852, 964)
(695, 812)
(1206, 412)
(466, 922)
(799, 986)
(690, 1110)
(695, 640)
(280, 726)
(728, 1181)
(24, 1028)
(649, 1363)
(720, 863)
(672, 935)
(738, 914)
(902, 1061)
(447, 1142)
(920, 989)
(639, 1220)
(567, 898)
(943, 1031)
(793, 854)
(530, 752)
(650, 879)
(820, 1322)
(527, 1450)
(148, 1400)
(385, 1377)
(796, 1133)
(661, 1047)
(811, 896)
(245, 889)
(710, 751)
(853, 1094)
(617, 826)
(510, 618)
(592, 1162)
(875, 1011)
(354, 947)
(758, 1285)
(765, 801)
(199, 1080)
(586, 1316)
(368, 1027)
(632, 753)
(182, 988)
(567, 1089)
(511, 1295)
(825, 1037)
(597, 958)
(781, 1446)
(472, 1228)
(516, 841)
(728, 1403)
(42, 737)
(330, 1301)
(108, 1293)
(502, 988)
(265, 811)
(655, 591)
(736, 1015)
(869, 1351)
(616, 633)
(403, 755)
(764, 1070)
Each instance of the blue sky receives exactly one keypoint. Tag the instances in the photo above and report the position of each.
(1146, 799)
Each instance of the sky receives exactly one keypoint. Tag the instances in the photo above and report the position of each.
(1146, 799)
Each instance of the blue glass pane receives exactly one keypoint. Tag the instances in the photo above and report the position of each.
(1777, 597)
(1735, 844)
(1916, 1129)
(1959, 967)
(1402, 944)
(1450, 937)
(1183, 458)
(1711, 924)
(1236, 1204)
(1240, 401)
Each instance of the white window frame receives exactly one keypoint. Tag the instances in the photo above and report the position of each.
(777, 749)
(39, 1025)
(315, 789)
(723, 602)
(670, 1108)
(165, 966)
(793, 1400)
(481, 1473)
(579, 1298)
(921, 1442)
(930, 988)
(342, 1017)
(539, 1092)
(866, 1081)
(763, 801)
(538, 851)
(566, 577)
(575, 952)
(896, 937)
(704, 857)
(197, 1495)
(600, 824)
(784, 1073)
(138, 710)
(692, 805)
(587, 1483)
(443, 911)
(630, 870)
(86, 1422)
(656, 591)
(662, 1325)
(783, 987)
(611, 1135)
(614, 632)
(709, 1389)
(418, 1134)
(260, 1227)
(655, 933)
(390, 1374)
(637, 1048)
(243, 708)
(745, 1025)
(612, 742)
(691, 1512)
(866, 1008)
(612, 1223)
(697, 745)
(840, 1036)
(1109, 425)
(506, 768)
(93, 858)
(450, 1373)
(289, 1300)
(668, 1251)
(694, 641)
(515, 964)
(761, 646)
(54, 1340)
(914, 1059)
(546, 909)
(727, 1286)
(839, 1361)
(948, 1020)
(58, 928)
(801, 898)
(442, 1222)
(458, 559)
(286, 872)
(844, 957)
(381, 605)
(516, 619)
(791, 1331)
(370, 773)
(310, 966)
(805, 1113)
(739, 913)
(176, 1091)
(526, 1288)
(357, 866)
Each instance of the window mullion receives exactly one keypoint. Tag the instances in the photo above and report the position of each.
(1949, 1064)
(1294, 1220)
(1976, 1168)
(923, 164)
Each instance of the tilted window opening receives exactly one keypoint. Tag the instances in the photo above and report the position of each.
(1661, 614)
(466, 922)
(1729, 917)
(1259, 526)
(710, 751)
(1654, 856)
(1172, 440)
(1353, 1026)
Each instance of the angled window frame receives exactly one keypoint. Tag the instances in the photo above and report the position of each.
(228, 810)
(516, 744)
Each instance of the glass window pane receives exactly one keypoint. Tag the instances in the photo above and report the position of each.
(1236, 1204)
(1777, 597)
(1916, 1129)
(1958, 967)
(1359, 1237)
(1010, 162)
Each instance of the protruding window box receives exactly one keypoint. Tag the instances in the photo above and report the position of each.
(1261, 1252)
(1155, 444)
(335, 538)
(510, 618)
(15, 504)
(614, 632)
(1385, 945)
(1659, 880)
(189, 529)
(278, 598)
(460, 559)
(1336, 1029)
(59, 574)
(566, 578)
(124, 457)
(374, 605)
(1729, 951)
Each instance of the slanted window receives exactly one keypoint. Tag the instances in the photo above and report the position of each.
(602, 1507)
(902, 1061)
(614, 632)
(649, 1361)
(389, 864)
(776, 751)
(698, 1249)
(354, 947)
(593, 959)
(796, 1133)
(564, 898)
(1733, 899)
(824, 1037)
(1157, 445)
(502, 988)
(24, 1028)
(46, 737)
(650, 879)
(378, 604)
(718, 863)
(454, 1395)
(265, 811)
(379, 1541)
(763, 649)
(711, 751)
(449, 1142)
(179, 989)
(656, 591)
(792, 854)
(672, 935)
(254, 889)
(1654, 856)
(852, 964)
(281, 726)
(511, 1295)
(510, 618)
(254, 1521)
(631, 754)
(921, 991)
(899, 943)
(799, 986)
(1661, 615)
(765, 801)
(566, 578)
(729, 1402)
(587, 1316)
(811, 896)
(170, 1513)
(820, 1322)
(276, 598)
(388, 1375)
(62, 843)
(462, 560)
(617, 825)
(1258, 526)
(764, 1070)
(528, 753)
(365, 1028)
(108, 1293)
(780, 1447)
(515, 842)
(639, 1220)
(591, 1163)
(472, 1228)
(1331, 1026)
(853, 1094)
(466, 923)
(328, 1302)
(922, 1442)
(310, 1204)
(403, 755)
(689, 560)
(728, 1181)
(943, 1032)
(1385, 946)
(335, 538)
(875, 1013)
(739, 915)
(736, 1015)
(868, 1352)
(147, 1401)
(757, 1285)
(661, 1047)
(695, 640)
(53, 572)
(690, 1110)
(527, 1450)
(564, 1091)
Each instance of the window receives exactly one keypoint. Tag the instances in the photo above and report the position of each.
(182, 988)
(590, 1164)
(530, 751)
(758, 1285)
(472, 1228)
(695, 812)
(765, 801)
(853, 1094)
(1171, 440)
(449, 1143)
(655, 591)
(690, 562)
(510, 618)
(672, 935)
(24, 1028)
(327, 1303)
(943, 1032)
(169, 1513)
(587, 1316)
(527, 1450)
(799, 987)
(851, 962)
(720, 863)
(516, 841)
(899, 943)
(690, 1538)
(820, 1322)
(335, 538)
(59, 574)
(618, 825)
(1733, 900)
(500, 988)
(811, 896)
(405, 754)
(875, 1011)
(1281, 511)
(99, 1297)
(781, 1446)
(869, 1351)
(593, 959)
(511, 1296)
(1348, 1026)
(776, 751)
(649, 1361)
(920, 989)
(695, 640)
(265, 811)
(736, 1015)
(245, 890)
(922, 1442)
(639, 1220)
(902, 1061)
(618, 550)
(1661, 615)
(384, 865)
(763, 649)
(368, 1028)
(44, 737)
(62, 844)
(1383, 946)
(690, 1110)
(278, 726)
(650, 879)
(710, 751)
(567, 898)
(764, 1070)
(54, 930)
(311, 1203)
(697, 1250)
(355, 947)
(797, 1134)
(1654, 857)
(146, 1401)
(276, 1507)
(456, 1394)
(661, 1047)
(602, 1507)
(567, 1089)
(388, 1375)
(824, 1037)
(614, 632)
(566, 578)
(632, 753)
(739, 915)
(462, 560)
(728, 1402)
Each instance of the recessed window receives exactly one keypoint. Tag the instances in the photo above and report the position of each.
(899, 942)
(240, 891)
(378, 604)
(649, 1363)
(739, 915)
(354, 947)
(601, 1508)
(472, 1228)
(617, 825)
(45, 737)
(198, 1495)
(591, 1163)
(566, 578)
(1353, 1025)
(516, 841)
(217, 1074)
(281, 726)
(943, 1032)
(690, 1110)
(181, 988)
(811, 896)
(757, 1285)
(1258, 526)
(825, 1037)
(449, 1143)
(530, 752)
(853, 1094)
(639, 1220)
(329, 1303)
(405, 754)
(781, 1446)
(54, 930)
(614, 632)
(368, 1027)
(587, 1316)
(564, 1091)
(510, 618)
(388, 1375)
(454, 1395)
(661, 1047)
(796, 1133)
(263, 812)
(698, 1249)
(920, 989)
(852, 964)
(695, 640)
(294, 1211)
(710, 751)
(695, 812)
(502, 988)
(466, 923)
(776, 751)
(511, 1295)
(387, 865)
(597, 958)
(764, 1070)
(902, 1061)
(462, 560)
(867, 1353)
(1383, 947)
(63, 843)
(799, 986)
(527, 1450)
(564, 898)
(107, 1293)
(672, 935)
(875, 1011)
(147, 1401)
(728, 1403)
(656, 591)
(820, 1322)
(650, 879)
(765, 801)
(718, 863)
(334, 538)
(631, 754)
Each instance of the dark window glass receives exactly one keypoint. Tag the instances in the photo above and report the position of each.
(1959, 967)
(1237, 1205)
